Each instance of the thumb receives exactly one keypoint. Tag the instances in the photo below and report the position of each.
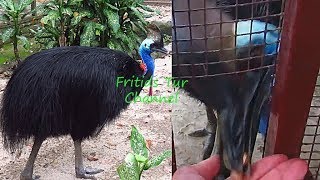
(208, 168)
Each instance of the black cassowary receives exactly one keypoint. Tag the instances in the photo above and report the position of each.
(236, 97)
(70, 90)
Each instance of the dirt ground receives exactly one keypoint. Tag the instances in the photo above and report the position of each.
(56, 156)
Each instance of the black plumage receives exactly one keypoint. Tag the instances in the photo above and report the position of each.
(66, 90)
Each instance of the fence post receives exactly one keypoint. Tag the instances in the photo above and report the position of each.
(297, 70)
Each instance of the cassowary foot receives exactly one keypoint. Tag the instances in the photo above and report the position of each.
(90, 170)
(199, 133)
(87, 173)
(29, 177)
(208, 145)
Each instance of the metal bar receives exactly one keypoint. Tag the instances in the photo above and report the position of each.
(205, 38)
(226, 61)
(228, 6)
(174, 40)
(227, 21)
(225, 36)
(174, 164)
(294, 77)
(226, 73)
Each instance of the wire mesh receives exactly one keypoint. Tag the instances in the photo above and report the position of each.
(205, 31)
(310, 149)
(207, 34)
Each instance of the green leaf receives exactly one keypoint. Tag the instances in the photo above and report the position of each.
(112, 7)
(67, 11)
(52, 30)
(75, 2)
(155, 161)
(7, 5)
(99, 27)
(130, 169)
(7, 34)
(147, 15)
(138, 144)
(23, 4)
(138, 15)
(5, 18)
(51, 44)
(113, 19)
(77, 17)
(24, 41)
(52, 16)
(140, 27)
(140, 158)
(146, 8)
(89, 34)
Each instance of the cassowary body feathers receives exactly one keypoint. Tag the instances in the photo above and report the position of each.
(68, 90)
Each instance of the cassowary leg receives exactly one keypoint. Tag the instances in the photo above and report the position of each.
(211, 129)
(82, 172)
(150, 89)
(27, 172)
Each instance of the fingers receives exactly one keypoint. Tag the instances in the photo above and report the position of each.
(263, 166)
(187, 173)
(291, 169)
(205, 170)
(209, 167)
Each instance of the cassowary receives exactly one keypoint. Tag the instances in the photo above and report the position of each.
(260, 10)
(70, 90)
(236, 97)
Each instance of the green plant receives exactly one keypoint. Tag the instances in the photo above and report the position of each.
(13, 13)
(115, 24)
(138, 161)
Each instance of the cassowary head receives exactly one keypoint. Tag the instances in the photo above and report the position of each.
(154, 41)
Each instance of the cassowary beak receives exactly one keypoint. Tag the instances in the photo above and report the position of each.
(161, 50)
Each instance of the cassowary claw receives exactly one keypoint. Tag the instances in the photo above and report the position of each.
(28, 177)
(88, 172)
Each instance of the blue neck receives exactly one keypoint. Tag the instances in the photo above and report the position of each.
(147, 59)
(244, 27)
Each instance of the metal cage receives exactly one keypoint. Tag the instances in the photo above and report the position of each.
(192, 21)
(310, 150)
(291, 131)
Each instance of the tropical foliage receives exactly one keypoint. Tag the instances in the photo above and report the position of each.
(139, 161)
(105, 23)
(13, 14)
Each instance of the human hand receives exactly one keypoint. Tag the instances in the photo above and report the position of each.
(273, 167)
